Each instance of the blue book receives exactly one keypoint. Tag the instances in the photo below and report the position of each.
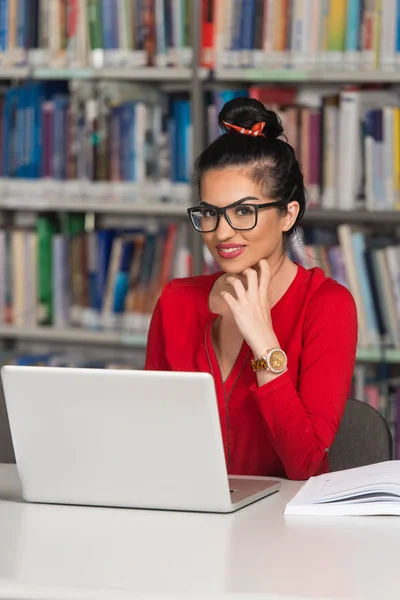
(359, 249)
(121, 283)
(22, 23)
(173, 146)
(92, 268)
(107, 8)
(39, 93)
(9, 131)
(147, 261)
(398, 27)
(237, 24)
(353, 29)
(140, 31)
(182, 151)
(33, 360)
(115, 23)
(20, 132)
(184, 148)
(247, 24)
(105, 238)
(61, 104)
(127, 156)
(3, 25)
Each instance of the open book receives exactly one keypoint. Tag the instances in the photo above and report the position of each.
(369, 490)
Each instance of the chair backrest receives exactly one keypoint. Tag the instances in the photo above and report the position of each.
(364, 438)
(6, 445)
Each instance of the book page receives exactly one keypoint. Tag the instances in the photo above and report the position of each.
(381, 478)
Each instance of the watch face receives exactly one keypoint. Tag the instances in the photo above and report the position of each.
(277, 360)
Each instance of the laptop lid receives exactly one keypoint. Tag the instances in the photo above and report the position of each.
(145, 439)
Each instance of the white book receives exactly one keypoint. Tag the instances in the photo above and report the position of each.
(18, 277)
(388, 34)
(298, 55)
(31, 278)
(392, 260)
(330, 129)
(139, 141)
(352, 276)
(177, 32)
(369, 490)
(161, 55)
(388, 154)
(60, 277)
(223, 33)
(353, 104)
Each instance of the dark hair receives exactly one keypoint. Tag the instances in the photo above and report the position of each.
(272, 161)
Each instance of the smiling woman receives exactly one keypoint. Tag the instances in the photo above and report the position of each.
(279, 340)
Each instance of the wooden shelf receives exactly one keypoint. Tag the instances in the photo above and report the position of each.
(374, 355)
(74, 336)
(357, 217)
(139, 340)
(127, 74)
(178, 210)
(157, 209)
(15, 73)
(304, 75)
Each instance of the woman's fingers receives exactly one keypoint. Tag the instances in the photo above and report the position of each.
(252, 283)
(238, 286)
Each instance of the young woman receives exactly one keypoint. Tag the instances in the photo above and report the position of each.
(279, 340)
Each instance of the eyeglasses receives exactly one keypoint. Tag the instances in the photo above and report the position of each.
(241, 217)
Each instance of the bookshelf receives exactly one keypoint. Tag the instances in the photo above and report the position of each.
(85, 205)
(292, 75)
(158, 203)
(128, 339)
(76, 336)
(158, 208)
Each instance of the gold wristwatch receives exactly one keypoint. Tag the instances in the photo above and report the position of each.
(274, 360)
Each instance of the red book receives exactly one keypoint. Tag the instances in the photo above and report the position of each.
(207, 34)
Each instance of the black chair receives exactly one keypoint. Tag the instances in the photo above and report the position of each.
(364, 438)
(6, 445)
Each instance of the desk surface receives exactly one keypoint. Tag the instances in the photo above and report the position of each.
(62, 552)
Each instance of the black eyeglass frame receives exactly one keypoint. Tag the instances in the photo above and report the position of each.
(222, 211)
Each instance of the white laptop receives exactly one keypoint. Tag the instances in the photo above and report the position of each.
(141, 439)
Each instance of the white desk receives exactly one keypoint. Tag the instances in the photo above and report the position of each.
(62, 552)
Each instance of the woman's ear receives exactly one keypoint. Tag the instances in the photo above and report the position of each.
(291, 215)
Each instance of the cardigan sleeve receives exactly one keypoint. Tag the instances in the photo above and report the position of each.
(156, 359)
(302, 420)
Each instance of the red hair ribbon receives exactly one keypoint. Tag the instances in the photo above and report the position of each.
(255, 131)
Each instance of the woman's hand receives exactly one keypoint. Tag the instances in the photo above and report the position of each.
(250, 308)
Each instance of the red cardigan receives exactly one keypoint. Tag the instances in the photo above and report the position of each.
(285, 427)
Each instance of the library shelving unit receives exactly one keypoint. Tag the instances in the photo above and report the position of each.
(195, 81)
(293, 75)
(81, 337)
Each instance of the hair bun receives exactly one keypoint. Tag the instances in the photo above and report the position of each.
(246, 112)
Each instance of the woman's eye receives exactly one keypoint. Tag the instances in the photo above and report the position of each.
(208, 213)
(244, 211)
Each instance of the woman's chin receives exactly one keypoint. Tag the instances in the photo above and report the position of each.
(233, 267)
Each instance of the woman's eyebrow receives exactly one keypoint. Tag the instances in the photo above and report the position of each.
(203, 202)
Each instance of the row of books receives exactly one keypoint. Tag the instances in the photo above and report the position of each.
(107, 132)
(59, 274)
(96, 33)
(342, 34)
(303, 34)
(81, 359)
(368, 265)
(347, 141)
